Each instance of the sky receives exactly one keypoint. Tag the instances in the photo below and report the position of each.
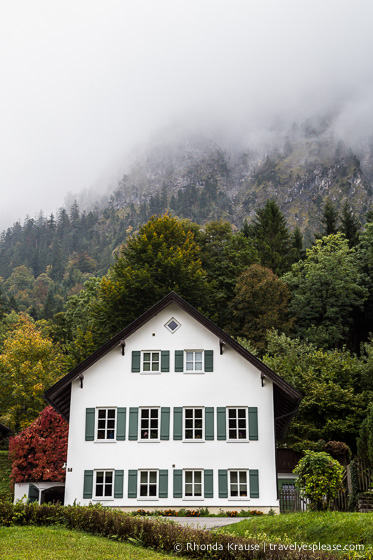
(84, 83)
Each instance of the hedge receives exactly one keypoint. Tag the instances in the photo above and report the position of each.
(161, 535)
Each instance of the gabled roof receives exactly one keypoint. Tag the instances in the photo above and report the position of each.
(286, 398)
(4, 430)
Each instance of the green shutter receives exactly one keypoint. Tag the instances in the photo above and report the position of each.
(165, 422)
(209, 422)
(132, 484)
(223, 483)
(178, 422)
(179, 360)
(178, 483)
(136, 355)
(133, 423)
(209, 360)
(221, 422)
(253, 423)
(121, 424)
(88, 484)
(118, 484)
(33, 494)
(163, 483)
(254, 483)
(90, 424)
(209, 483)
(165, 360)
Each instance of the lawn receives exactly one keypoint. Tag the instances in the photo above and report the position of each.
(342, 528)
(55, 543)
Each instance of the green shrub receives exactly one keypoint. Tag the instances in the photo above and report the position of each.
(156, 534)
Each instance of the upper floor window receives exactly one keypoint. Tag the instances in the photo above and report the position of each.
(151, 361)
(149, 424)
(193, 424)
(237, 423)
(104, 484)
(106, 418)
(193, 360)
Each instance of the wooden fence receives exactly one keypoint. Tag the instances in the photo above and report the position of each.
(291, 500)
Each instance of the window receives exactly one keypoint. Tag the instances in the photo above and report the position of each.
(104, 484)
(172, 325)
(106, 418)
(193, 484)
(193, 424)
(151, 361)
(238, 484)
(193, 360)
(237, 424)
(148, 484)
(149, 424)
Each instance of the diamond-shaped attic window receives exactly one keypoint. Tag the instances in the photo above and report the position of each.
(172, 325)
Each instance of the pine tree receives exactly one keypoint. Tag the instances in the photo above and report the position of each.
(329, 219)
(271, 237)
(350, 225)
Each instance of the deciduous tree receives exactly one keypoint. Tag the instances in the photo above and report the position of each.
(40, 450)
(260, 303)
(30, 362)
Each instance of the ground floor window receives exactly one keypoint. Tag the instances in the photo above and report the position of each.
(104, 484)
(238, 484)
(193, 484)
(148, 484)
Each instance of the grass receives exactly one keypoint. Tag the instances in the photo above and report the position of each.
(326, 527)
(57, 543)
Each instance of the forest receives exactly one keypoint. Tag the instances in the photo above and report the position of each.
(70, 283)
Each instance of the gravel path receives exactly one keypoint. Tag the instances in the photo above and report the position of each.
(206, 522)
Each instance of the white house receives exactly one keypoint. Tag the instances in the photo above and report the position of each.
(173, 413)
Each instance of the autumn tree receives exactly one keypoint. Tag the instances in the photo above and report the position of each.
(40, 450)
(30, 362)
(260, 303)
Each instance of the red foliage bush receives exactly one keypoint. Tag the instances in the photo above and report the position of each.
(40, 450)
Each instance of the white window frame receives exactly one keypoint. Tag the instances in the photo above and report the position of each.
(139, 484)
(238, 471)
(237, 440)
(193, 439)
(105, 472)
(186, 361)
(148, 439)
(193, 471)
(106, 420)
(150, 371)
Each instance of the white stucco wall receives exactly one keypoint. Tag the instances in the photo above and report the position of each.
(21, 489)
(234, 382)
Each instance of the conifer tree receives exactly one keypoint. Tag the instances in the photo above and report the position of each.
(329, 219)
(350, 225)
(271, 237)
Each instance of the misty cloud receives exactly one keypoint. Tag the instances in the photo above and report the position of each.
(84, 82)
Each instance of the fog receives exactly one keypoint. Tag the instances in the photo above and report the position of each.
(85, 83)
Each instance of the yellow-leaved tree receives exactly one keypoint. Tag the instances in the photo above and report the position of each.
(29, 364)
